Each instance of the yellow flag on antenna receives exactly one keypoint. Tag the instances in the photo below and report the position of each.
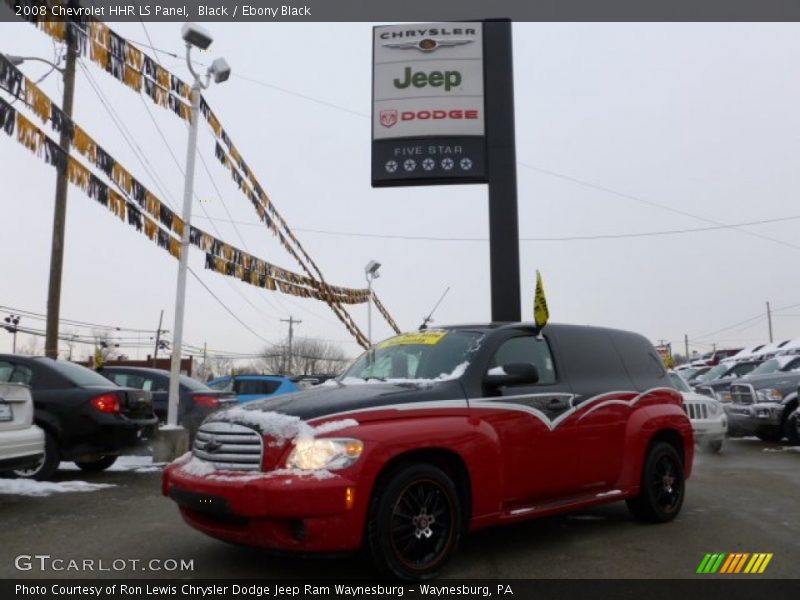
(540, 312)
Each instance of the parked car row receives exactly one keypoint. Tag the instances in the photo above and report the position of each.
(758, 389)
(55, 410)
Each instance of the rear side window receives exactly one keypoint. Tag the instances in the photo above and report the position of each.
(11, 373)
(590, 361)
(527, 349)
(255, 386)
(641, 361)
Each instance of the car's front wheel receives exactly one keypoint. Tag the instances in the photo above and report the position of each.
(47, 465)
(770, 435)
(662, 487)
(415, 523)
(95, 466)
(791, 427)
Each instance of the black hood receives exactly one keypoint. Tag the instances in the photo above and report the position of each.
(334, 397)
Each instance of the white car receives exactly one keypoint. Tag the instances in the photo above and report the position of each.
(21, 442)
(709, 422)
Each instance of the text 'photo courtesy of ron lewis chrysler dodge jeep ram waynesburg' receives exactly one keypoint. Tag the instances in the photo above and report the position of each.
(431, 435)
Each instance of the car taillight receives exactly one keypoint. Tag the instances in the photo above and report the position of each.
(206, 401)
(107, 403)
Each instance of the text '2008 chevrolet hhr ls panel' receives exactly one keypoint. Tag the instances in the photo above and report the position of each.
(430, 435)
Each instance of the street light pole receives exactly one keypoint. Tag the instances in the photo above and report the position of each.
(183, 261)
(193, 35)
(60, 212)
(371, 273)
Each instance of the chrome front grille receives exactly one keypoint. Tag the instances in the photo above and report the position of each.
(696, 410)
(743, 393)
(229, 446)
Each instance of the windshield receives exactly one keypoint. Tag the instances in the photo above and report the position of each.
(679, 383)
(194, 385)
(222, 385)
(77, 374)
(714, 373)
(766, 367)
(417, 356)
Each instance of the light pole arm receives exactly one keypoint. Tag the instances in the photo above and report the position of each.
(18, 60)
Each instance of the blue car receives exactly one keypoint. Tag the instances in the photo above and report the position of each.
(253, 387)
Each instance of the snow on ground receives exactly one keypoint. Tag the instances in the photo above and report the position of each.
(137, 464)
(29, 487)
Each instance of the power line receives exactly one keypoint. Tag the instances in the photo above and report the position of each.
(225, 306)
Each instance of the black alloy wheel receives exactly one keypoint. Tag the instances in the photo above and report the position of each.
(662, 487)
(415, 524)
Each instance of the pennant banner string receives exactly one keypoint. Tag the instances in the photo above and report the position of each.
(140, 72)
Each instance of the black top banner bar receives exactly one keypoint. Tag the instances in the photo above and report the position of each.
(248, 11)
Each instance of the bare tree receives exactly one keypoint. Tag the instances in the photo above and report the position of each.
(309, 356)
(30, 346)
(105, 345)
(214, 367)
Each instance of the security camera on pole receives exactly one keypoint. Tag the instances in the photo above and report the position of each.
(173, 439)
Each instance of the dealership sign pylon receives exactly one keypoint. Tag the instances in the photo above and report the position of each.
(443, 113)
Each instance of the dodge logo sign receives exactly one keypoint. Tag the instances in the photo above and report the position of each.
(388, 117)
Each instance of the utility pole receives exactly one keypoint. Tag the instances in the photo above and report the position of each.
(158, 338)
(291, 321)
(686, 346)
(60, 212)
(205, 360)
(769, 322)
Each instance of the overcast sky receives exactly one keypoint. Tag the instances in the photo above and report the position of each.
(621, 129)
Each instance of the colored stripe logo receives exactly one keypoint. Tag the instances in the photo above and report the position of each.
(734, 563)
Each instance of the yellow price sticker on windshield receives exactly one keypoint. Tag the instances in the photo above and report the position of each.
(426, 338)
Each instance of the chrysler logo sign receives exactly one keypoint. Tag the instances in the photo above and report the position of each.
(426, 45)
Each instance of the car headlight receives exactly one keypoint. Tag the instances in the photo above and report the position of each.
(770, 395)
(324, 453)
(713, 409)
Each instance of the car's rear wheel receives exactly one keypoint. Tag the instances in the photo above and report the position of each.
(662, 487)
(95, 466)
(415, 523)
(47, 465)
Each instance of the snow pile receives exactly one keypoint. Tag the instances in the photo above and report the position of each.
(198, 467)
(457, 372)
(201, 468)
(332, 426)
(279, 426)
(29, 487)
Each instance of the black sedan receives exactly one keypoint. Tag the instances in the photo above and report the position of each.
(197, 400)
(85, 417)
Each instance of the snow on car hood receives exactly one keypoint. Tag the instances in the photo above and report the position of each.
(321, 401)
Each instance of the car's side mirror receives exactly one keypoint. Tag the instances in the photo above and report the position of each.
(512, 374)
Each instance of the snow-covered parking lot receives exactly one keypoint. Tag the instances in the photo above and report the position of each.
(744, 500)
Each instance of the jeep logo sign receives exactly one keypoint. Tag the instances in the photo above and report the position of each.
(427, 87)
(420, 79)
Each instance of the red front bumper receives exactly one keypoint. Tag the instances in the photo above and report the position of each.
(283, 512)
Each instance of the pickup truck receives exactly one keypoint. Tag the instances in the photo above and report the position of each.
(765, 405)
(431, 435)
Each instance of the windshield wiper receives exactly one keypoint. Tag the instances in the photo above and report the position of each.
(368, 377)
